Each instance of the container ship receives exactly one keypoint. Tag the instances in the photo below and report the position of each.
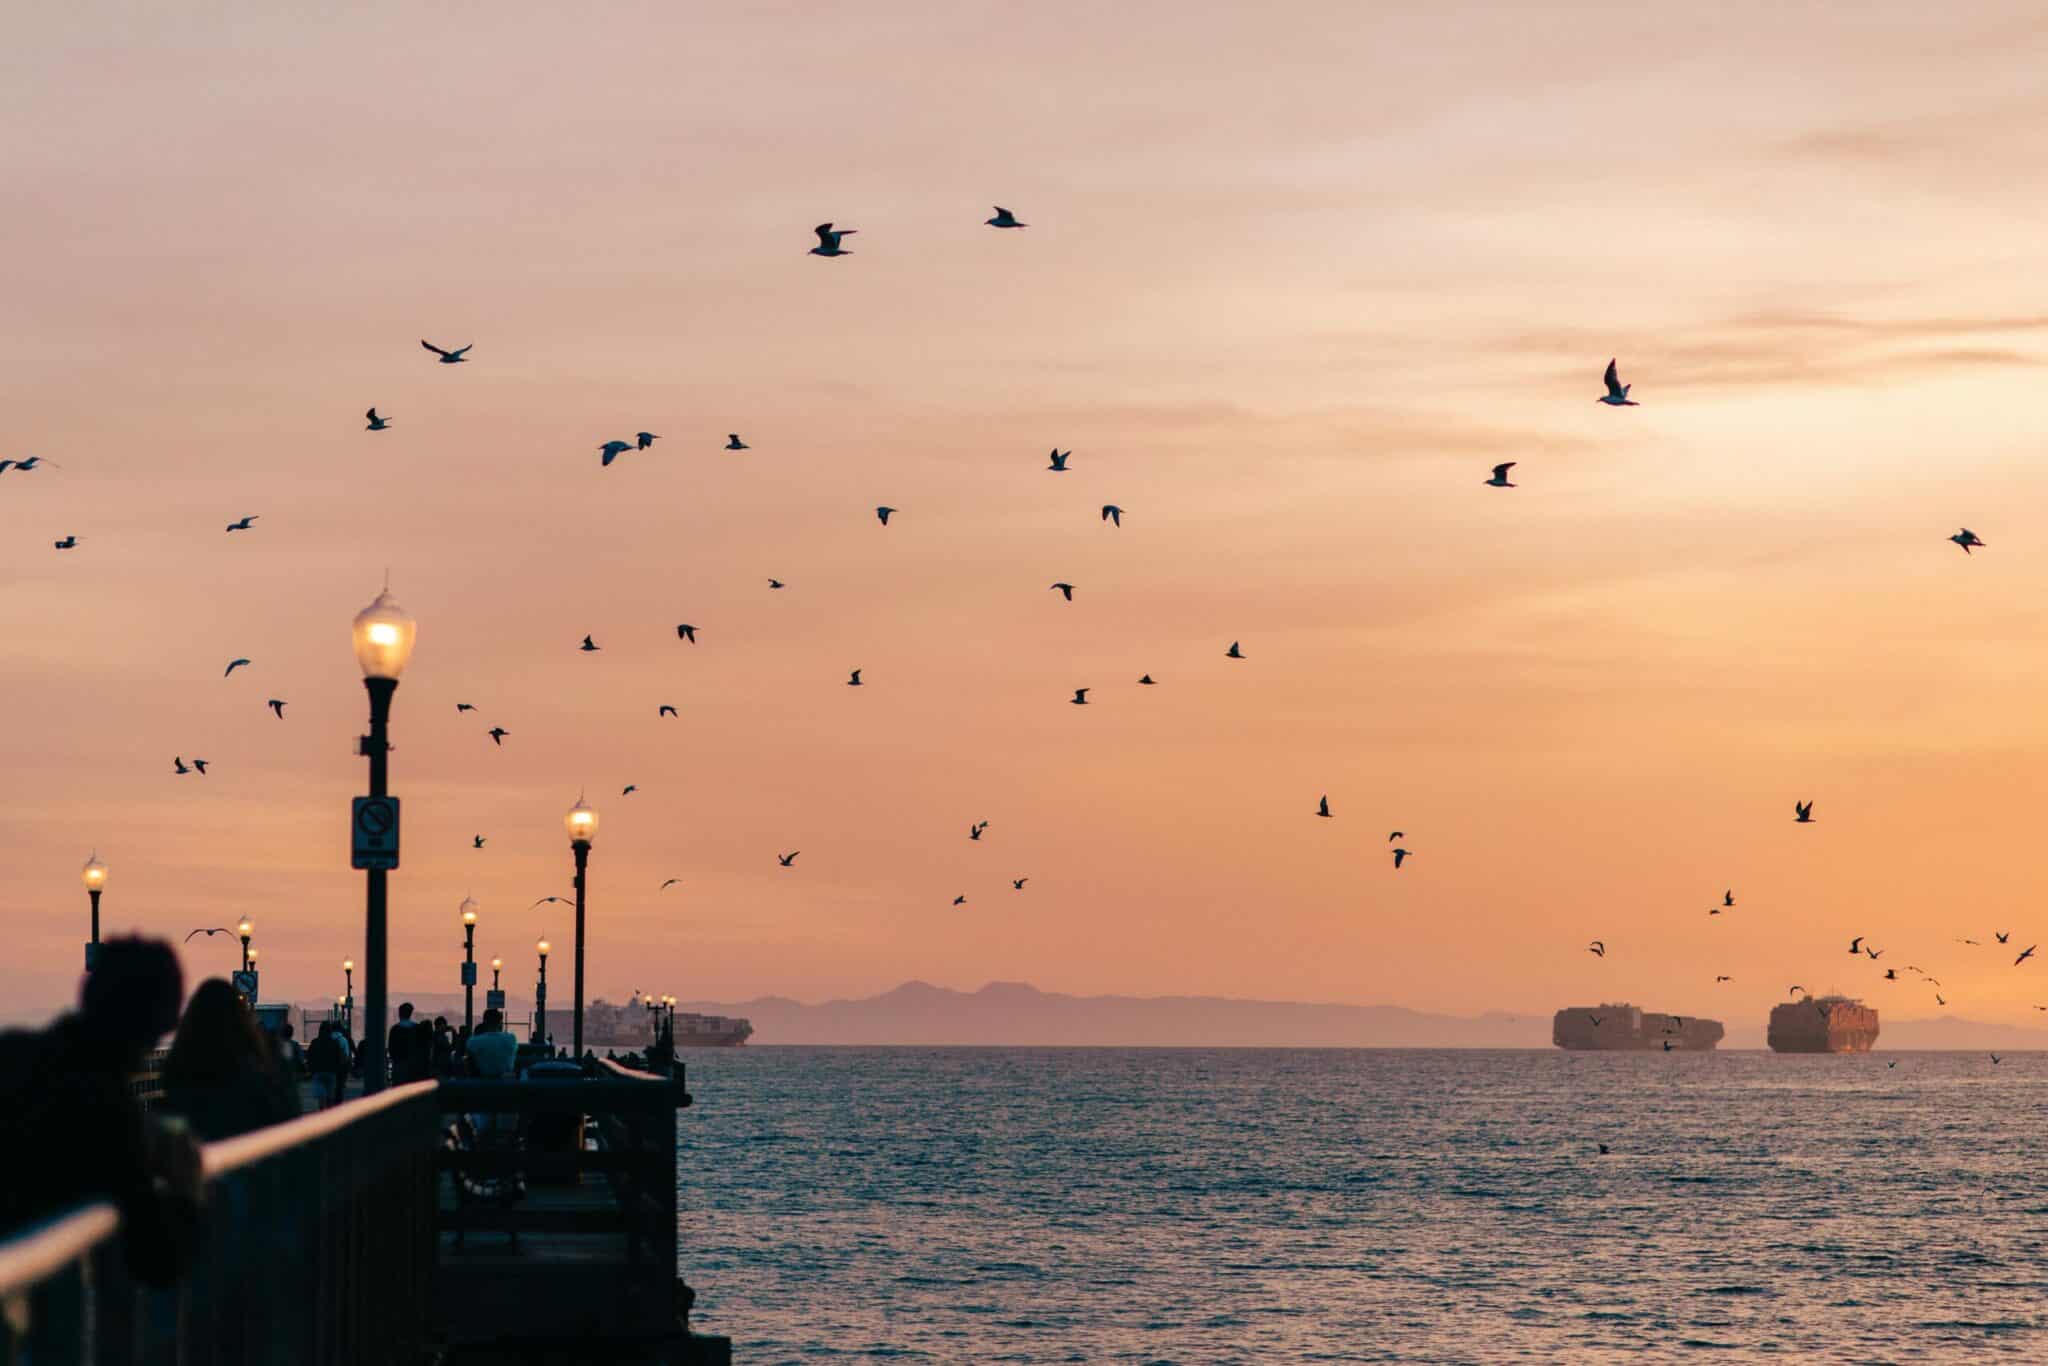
(711, 1031)
(1830, 1024)
(1626, 1028)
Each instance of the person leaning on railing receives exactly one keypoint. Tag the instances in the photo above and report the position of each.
(71, 1129)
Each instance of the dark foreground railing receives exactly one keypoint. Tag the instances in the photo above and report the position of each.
(317, 1247)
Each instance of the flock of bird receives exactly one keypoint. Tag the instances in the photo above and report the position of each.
(831, 239)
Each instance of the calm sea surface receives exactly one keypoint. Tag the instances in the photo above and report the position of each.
(1190, 1206)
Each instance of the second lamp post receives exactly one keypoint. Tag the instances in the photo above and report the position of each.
(581, 823)
(468, 966)
(95, 876)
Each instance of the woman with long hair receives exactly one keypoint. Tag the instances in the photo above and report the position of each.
(222, 1074)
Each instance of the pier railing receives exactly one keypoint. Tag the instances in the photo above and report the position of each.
(317, 1248)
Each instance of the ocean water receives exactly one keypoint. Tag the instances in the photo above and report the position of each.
(1198, 1206)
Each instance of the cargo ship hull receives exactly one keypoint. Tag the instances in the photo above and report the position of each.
(1628, 1029)
(1832, 1024)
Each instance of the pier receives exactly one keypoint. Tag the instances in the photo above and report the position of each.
(374, 1234)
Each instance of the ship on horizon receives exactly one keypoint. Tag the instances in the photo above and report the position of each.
(1626, 1028)
(1826, 1024)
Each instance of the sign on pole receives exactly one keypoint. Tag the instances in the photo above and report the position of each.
(245, 983)
(469, 974)
(494, 999)
(375, 833)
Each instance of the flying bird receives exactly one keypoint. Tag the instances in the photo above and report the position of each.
(1059, 460)
(2027, 953)
(1500, 475)
(644, 440)
(1728, 897)
(854, 681)
(733, 442)
(1598, 948)
(476, 841)
(377, 424)
(665, 710)
(1112, 513)
(1971, 942)
(200, 766)
(497, 734)
(1617, 392)
(464, 706)
(1794, 989)
(454, 357)
(1399, 854)
(974, 830)
(66, 544)
(828, 240)
(1233, 652)
(1967, 538)
(233, 665)
(776, 583)
(196, 933)
(670, 883)
(178, 765)
(631, 788)
(1004, 219)
(1719, 980)
(1937, 999)
(589, 646)
(243, 524)
(1066, 590)
(687, 632)
(1396, 835)
(1995, 1060)
(1148, 680)
(1803, 812)
(612, 450)
(1874, 954)
(1596, 1020)
(2002, 936)
(883, 514)
(787, 859)
(1323, 807)
(1856, 946)
(1080, 697)
(959, 901)
(276, 704)
(546, 899)
(1018, 883)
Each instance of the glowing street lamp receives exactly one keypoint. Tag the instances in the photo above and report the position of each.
(383, 634)
(243, 930)
(540, 996)
(94, 875)
(469, 909)
(497, 966)
(581, 823)
(348, 1001)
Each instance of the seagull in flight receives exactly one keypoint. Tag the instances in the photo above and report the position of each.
(1004, 219)
(377, 424)
(455, 357)
(2025, 955)
(883, 513)
(612, 450)
(1803, 812)
(777, 583)
(562, 900)
(1396, 835)
(687, 632)
(1598, 948)
(178, 765)
(200, 765)
(974, 830)
(243, 524)
(1967, 538)
(1080, 698)
(498, 734)
(2002, 936)
(854, 681)
(1112, 513)
(670, 883)
(959, 901)
(1148, 680)
(589, 646)
(1399, 854)
(1233, 652)
(665, 710)
(1018, 884)
(1874, 954)
(476, 841)
(733, 442)
(1719, 980)
(1891, 975)
(233, 665)
(1995, 1060)
(67, 543)
(1971, 942)
(196, 933)
(1323, 807)
(1059, 460)
(1500, 475)
(631, 788)
(644, 440)
(828, 240)
(1067, 589)
(1856, 946)
(789, 858)
(1728, 898)
(1794, 989)
(276, 704)
(1617, 392)
(464, 706)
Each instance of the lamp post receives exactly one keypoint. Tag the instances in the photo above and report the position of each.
(468, 965)
(243, 930)
(540, 997)
(497, 966)
(348, 1001)
(670, 1002)
(383, 634)
(581, 822)
(94, 875)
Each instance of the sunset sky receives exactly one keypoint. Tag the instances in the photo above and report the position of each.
(1295, 278)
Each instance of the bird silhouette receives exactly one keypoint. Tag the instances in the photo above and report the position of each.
(642, 440)
(1233, 652)
(1794, 990)
(631, 788)
(1598, 948)
(829, 238)
(1066, 590)
(68, 543)
(1803, 812)
(454, 357)
(1500, 475)
(1891, 975)
(1603, 1149)
(1967, 538)
(1080, 698)
(1004, 219)
(1937, 999)
(1617, 392)
(1972, 942)
(687, 632)
(789, 858)
(1148, 680)
(1856, 946)
(883, 514)
(1597, 1021)
(612, 450)
(1399, 854)
(776, 583)
(589, 646)
(1018, 884)
(196, 933)
(1719, 980)
(1893, 1063)
(377, 424)
(242, 524)
(733, 442)
(974, 830)
(665, 710)
(2025, 954)
(497, 734)
(276, 704)
(1323, 806)
(178, 765)
(1112, 513)
(1728, 897)
(959, 901)
(1396, 835)
(2002, 936)
(476, 841)
(670, 883)
(1874, 954)
(1995, 1060)
(464, 706)
(854, 681)
(199, 765)
(233, 665)
(1059, 460)
(561, 900)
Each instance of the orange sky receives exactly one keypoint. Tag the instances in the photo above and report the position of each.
(1295, 278)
